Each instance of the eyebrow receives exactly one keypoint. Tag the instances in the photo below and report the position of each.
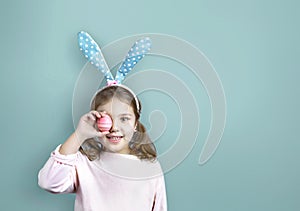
(125, 114)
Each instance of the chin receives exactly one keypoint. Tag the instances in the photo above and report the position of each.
(117, 146)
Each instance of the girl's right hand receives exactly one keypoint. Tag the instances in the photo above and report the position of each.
(87, 126)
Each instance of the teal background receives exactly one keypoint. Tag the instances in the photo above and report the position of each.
(254, 47)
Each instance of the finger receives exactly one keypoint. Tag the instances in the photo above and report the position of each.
(91, 118)
(103, 113)
(95, 113)
(101, 134)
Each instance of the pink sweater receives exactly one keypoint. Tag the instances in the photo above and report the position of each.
(115, 182)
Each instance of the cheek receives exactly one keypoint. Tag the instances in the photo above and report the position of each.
(129, 128)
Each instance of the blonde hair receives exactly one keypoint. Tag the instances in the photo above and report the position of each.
(140, 145)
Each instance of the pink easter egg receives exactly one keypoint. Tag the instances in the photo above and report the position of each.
(104, 123)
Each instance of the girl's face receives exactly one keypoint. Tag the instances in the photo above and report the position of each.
(123, 126)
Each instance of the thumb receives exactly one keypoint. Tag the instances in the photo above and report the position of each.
(101, 134)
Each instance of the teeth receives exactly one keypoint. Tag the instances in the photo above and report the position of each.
(115, 137)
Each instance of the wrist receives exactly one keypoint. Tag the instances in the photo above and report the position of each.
(80, 138)
(72, 144)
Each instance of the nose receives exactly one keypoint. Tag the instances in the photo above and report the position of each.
(114, 127)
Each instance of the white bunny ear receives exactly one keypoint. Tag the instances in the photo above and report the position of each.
(93, 53)
(135, 54)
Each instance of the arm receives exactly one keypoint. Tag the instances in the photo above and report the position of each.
(59, 173)
(86, 129)
(160, 200)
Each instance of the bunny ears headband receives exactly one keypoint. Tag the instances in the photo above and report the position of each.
(94, 55)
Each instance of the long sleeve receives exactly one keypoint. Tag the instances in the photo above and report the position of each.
(160, 203)
(99, 184)
(59, 173)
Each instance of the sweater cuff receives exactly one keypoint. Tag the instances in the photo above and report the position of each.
(64, 159)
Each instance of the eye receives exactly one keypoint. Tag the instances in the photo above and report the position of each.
(124, 119)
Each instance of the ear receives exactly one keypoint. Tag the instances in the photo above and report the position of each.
(135, 54)
(135, 126)
(92, 52)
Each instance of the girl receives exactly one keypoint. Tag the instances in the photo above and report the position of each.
(113, 170)
(117, 170)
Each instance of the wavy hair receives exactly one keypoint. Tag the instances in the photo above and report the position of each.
(140, 145)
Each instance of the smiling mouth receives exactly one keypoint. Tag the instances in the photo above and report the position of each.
(114, 139)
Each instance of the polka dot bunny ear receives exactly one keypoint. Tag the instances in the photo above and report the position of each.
(93, 53)
(135, 54)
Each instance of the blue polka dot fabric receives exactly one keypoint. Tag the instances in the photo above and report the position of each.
(135, 54)
(93, 53)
